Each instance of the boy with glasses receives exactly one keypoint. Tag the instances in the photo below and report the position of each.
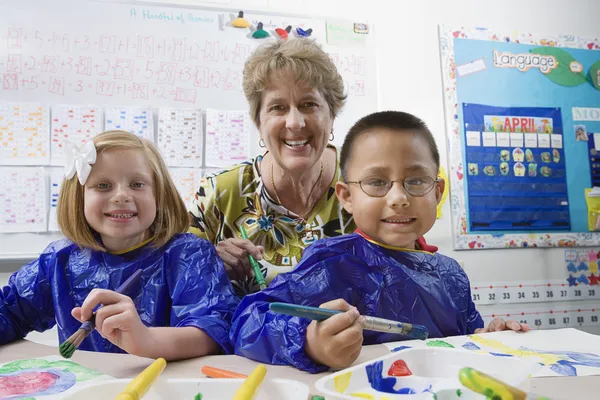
(389, 163)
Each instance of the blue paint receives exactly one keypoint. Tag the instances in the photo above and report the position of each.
(564, 367)
(65, 380)
(501, 354)
(384, 384)
(471, 346)
(401, 348)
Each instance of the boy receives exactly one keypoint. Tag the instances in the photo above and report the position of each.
(389, 163)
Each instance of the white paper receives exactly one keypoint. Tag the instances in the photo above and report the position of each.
(22, 199)
(576, 350)
(56, 179)
(24, 134)
(180, 136)
(543, 140)
(77, 124)
(556, 141)
(137, 120)
(470, 68)
(187, 181)
(503, 139)
(516, 140)
(531, 140)
(489, 139)
(227, 137)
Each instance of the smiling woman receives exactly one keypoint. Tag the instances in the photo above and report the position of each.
(284, 198)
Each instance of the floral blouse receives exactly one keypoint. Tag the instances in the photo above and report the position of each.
(236, 196)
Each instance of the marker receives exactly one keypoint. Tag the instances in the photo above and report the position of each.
(491, 387)
(254, 264)
(138, 387)
(251, 384)
(371, 323)
(213, 372)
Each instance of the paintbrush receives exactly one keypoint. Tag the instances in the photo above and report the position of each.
(371, 323)
(492, 388)
(260, 279)
(68, 347)
(138, 387)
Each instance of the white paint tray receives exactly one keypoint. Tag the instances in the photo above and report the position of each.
(434, 371)
(186, 389)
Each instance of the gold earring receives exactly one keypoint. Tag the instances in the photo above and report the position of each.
(261, 143)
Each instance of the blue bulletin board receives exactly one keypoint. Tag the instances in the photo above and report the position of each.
(523, 116)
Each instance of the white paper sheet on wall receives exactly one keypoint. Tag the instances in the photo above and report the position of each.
(187, 181)
(227, 137)
(74, 123)
(180, 136)
(24, 134)
(136, 120)
(22, 199)
(56, 178)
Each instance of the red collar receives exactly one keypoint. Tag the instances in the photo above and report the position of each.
(420, 243)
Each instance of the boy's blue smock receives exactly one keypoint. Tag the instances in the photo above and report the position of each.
(183, 284)
(417, 287)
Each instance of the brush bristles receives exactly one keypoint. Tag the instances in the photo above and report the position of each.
(68, 347)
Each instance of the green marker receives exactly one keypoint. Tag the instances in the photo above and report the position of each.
(254, 264)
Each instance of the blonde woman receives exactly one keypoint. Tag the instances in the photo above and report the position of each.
(285, 198)
(121, 212)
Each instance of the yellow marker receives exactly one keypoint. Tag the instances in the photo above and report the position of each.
(138, 387)
(250, 385)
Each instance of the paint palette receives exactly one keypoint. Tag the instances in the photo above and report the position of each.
(211, 389)
(412, 374)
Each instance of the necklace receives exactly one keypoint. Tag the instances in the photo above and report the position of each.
(311, 204)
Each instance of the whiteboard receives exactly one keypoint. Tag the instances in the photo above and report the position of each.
(120, 54)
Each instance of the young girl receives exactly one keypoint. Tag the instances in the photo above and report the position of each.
(121, 212)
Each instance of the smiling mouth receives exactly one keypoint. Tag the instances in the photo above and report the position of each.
(121, 215)
(296, 143)
(398, 220)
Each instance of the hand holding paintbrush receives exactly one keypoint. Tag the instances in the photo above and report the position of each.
(116, 316)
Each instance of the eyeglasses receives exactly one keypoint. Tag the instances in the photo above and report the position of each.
(416, 186)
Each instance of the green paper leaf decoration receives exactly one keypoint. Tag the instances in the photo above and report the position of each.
(594, 74)
(562, 74)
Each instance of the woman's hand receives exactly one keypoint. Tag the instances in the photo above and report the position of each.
(234, 253)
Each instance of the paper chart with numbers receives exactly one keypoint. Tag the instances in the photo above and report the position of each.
(136, 120)
(562, 352)
(22, 199)
(227, 137)
(56, 178)
(24, 134)
(180, 136)
(187, 181)
(74, 123)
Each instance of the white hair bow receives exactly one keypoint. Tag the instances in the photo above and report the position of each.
(79, 160)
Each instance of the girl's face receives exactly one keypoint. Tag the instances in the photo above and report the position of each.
(119, 201)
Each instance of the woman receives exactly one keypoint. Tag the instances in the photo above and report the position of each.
(285, 198)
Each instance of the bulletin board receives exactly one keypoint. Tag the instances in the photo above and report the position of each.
(523, 127)
(70, 69)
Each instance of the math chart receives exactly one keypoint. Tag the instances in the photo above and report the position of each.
(22, 199)
(227, 137)
(180, 136)
(24, 134)
(131, 119)
(77, 124)
(56, 177)
(187, 181)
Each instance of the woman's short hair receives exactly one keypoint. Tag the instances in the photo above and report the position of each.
(305, 60)
(171, 215)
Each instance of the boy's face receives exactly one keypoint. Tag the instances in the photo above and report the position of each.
(398, 218)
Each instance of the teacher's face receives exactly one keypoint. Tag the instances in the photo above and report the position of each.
(295, 122)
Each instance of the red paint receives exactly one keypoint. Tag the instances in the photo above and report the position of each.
(26, 383)
(399, 368)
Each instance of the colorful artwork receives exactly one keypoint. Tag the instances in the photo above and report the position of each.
(30, 378)
(481, 67)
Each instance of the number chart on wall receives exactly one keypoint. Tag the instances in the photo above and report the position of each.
(70, 70)
(523, 117)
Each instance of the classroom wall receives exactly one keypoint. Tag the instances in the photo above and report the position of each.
(410, 80)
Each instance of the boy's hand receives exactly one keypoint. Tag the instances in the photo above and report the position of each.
(498, 324)
(337, 341)
(117, 320)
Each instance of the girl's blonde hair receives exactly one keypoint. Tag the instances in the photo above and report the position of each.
(171, 214)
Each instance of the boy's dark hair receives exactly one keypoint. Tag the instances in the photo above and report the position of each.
(394, 120)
